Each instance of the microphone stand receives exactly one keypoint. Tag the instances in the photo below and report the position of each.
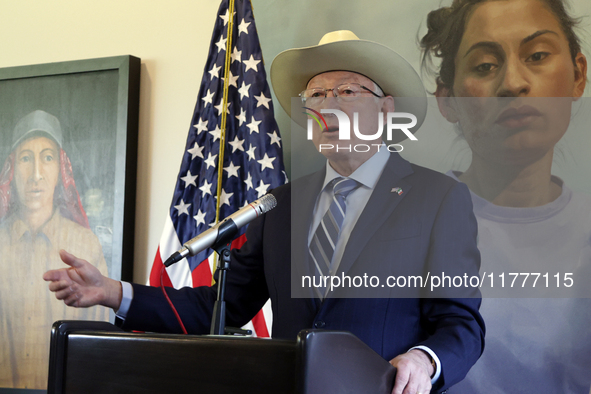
(218, 319)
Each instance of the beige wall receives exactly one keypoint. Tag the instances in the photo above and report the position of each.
(172, 39)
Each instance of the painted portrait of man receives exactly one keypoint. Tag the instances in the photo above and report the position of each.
(58, 176)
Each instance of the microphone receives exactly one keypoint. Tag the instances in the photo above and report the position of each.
(223, 232)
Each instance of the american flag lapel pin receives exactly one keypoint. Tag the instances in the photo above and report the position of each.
(396, 190)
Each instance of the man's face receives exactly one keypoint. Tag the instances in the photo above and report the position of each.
(36, 172)
(368, 107)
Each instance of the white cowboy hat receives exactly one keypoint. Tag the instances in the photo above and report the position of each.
(343, 51)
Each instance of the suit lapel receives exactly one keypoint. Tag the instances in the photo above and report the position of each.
(304, 195)
(389, 191)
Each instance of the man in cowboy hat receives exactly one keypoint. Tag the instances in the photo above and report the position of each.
(392, 211)
(390, 196)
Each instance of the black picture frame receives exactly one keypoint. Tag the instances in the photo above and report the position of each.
(97, 104)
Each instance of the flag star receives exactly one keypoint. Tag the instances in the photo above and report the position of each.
(237, 144)
(244, 90)
(208, 99)
(253, 126)
(262, 189)
(221, 44)
(245, 204)
(215, 72)
(251, 64)
(196, 151)
(285, 176)
(243, 27)
(241, 117)
(250, 152)
(225, 197)
(233, 80)
(210, 161)
(205, 188)
(266, 162)
(219, 107)
(236, 54)
(232, 170)
(212, 224)
(216, 133)
(202, 125)
(199, 218)
(262, 100)
(226, 17)
(182, 208)
(189, 179)
(274, 138)
(248, 182)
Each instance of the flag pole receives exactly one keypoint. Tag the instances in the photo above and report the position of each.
(223, 121)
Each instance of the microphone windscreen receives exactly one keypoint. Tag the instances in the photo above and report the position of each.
(267, 202)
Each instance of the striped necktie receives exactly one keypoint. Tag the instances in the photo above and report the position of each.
(326, 236)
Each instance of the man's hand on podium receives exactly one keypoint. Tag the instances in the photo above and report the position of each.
(414, 371)
(82, 285)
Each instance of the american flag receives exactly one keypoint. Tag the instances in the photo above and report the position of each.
(253, 159)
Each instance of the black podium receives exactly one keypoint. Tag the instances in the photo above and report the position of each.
(97, 357)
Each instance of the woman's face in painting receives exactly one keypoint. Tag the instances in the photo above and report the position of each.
(36, 172)
(515, 81)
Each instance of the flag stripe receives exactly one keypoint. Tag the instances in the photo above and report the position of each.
(155, 273)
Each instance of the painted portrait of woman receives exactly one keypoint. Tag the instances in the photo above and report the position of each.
(510, 72)
(40, 213)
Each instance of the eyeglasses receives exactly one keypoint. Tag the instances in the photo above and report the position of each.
(346, 92)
